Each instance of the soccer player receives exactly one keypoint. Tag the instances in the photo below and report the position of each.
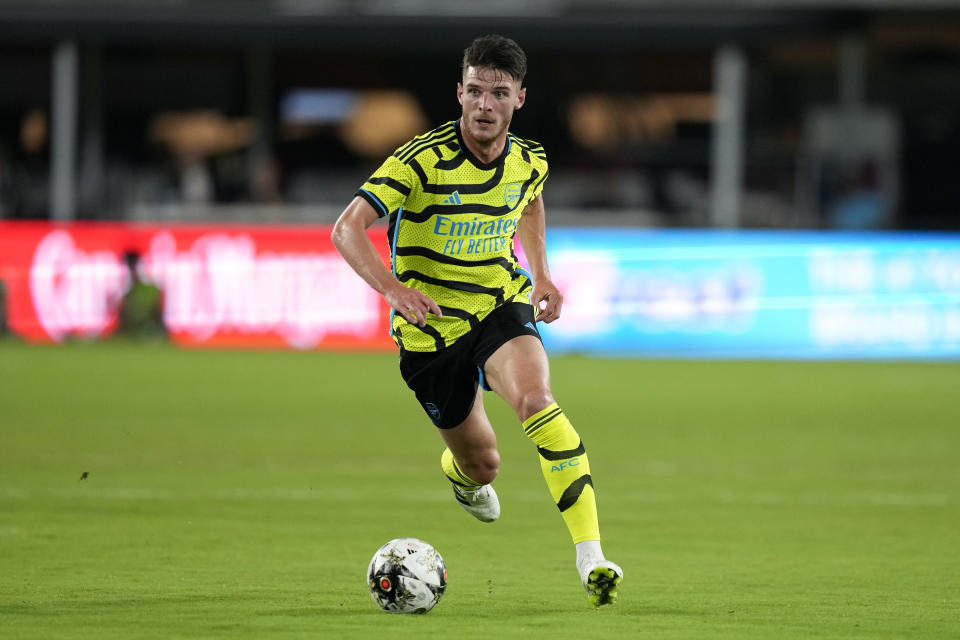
(464, 311)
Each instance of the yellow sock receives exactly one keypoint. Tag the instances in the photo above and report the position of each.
(566, 469)
(453, 471)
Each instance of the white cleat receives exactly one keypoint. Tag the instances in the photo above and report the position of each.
(482, 503)
(602, 582)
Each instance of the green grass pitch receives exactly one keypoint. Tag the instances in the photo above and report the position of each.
(241, 495)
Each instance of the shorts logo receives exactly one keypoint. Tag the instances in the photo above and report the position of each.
(511, 194)
(432, 410)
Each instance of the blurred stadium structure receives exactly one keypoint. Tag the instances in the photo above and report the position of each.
(730, 113)
(773, 118)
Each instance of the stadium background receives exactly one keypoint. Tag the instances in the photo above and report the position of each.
(827, 116)
(729, 180)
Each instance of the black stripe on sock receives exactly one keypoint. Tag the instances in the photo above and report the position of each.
(468, 482)
(561, 455)
(572, 493)
(459, 484)
(542, 421)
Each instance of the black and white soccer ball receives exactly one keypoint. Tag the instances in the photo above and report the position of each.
(407, 575)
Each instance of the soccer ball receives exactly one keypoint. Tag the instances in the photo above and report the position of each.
(406, 575)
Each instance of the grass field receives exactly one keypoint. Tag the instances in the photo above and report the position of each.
(241, 495)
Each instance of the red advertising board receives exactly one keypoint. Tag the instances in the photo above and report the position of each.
(223, 286)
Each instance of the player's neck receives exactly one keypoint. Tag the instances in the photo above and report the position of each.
(485, 153)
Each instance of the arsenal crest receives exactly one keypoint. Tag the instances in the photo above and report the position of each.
(511, 194)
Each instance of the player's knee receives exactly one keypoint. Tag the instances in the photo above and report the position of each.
(483, 467)
(533, 401)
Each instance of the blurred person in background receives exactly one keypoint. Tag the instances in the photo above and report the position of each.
(859, 205)
(465, 312)
(28, 170)
(141, 308)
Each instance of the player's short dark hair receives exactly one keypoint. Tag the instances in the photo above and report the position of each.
(496, 52)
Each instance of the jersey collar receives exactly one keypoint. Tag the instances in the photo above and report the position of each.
(474, 159)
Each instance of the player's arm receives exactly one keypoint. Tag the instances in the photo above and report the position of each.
(532, 233)
(351, 240)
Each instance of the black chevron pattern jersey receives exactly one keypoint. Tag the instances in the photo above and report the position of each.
(453, 221)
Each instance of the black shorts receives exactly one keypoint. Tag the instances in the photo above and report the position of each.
(446, 381)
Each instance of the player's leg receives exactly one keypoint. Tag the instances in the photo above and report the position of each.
(519, 372)
(471, 462)
(447, 386)
(471, 458)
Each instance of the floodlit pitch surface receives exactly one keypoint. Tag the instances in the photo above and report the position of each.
(151, 492)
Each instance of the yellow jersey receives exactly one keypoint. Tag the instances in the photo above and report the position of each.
(453, 220)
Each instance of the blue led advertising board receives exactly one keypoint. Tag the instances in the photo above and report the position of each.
(760, 294)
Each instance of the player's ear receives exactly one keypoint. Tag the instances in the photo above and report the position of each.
(460, 92)
(521, 98)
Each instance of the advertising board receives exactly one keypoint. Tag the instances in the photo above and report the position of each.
(631, 292)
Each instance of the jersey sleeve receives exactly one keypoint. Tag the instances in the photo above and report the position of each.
(540, 172)
(389, 186)
(537, 188)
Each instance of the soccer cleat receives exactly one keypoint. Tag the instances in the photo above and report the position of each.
(602, 582)
(482, 503)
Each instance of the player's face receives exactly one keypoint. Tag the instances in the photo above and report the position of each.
(489, 98)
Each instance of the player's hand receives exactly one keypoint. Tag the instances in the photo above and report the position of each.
(548, 300)
(413, 305)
